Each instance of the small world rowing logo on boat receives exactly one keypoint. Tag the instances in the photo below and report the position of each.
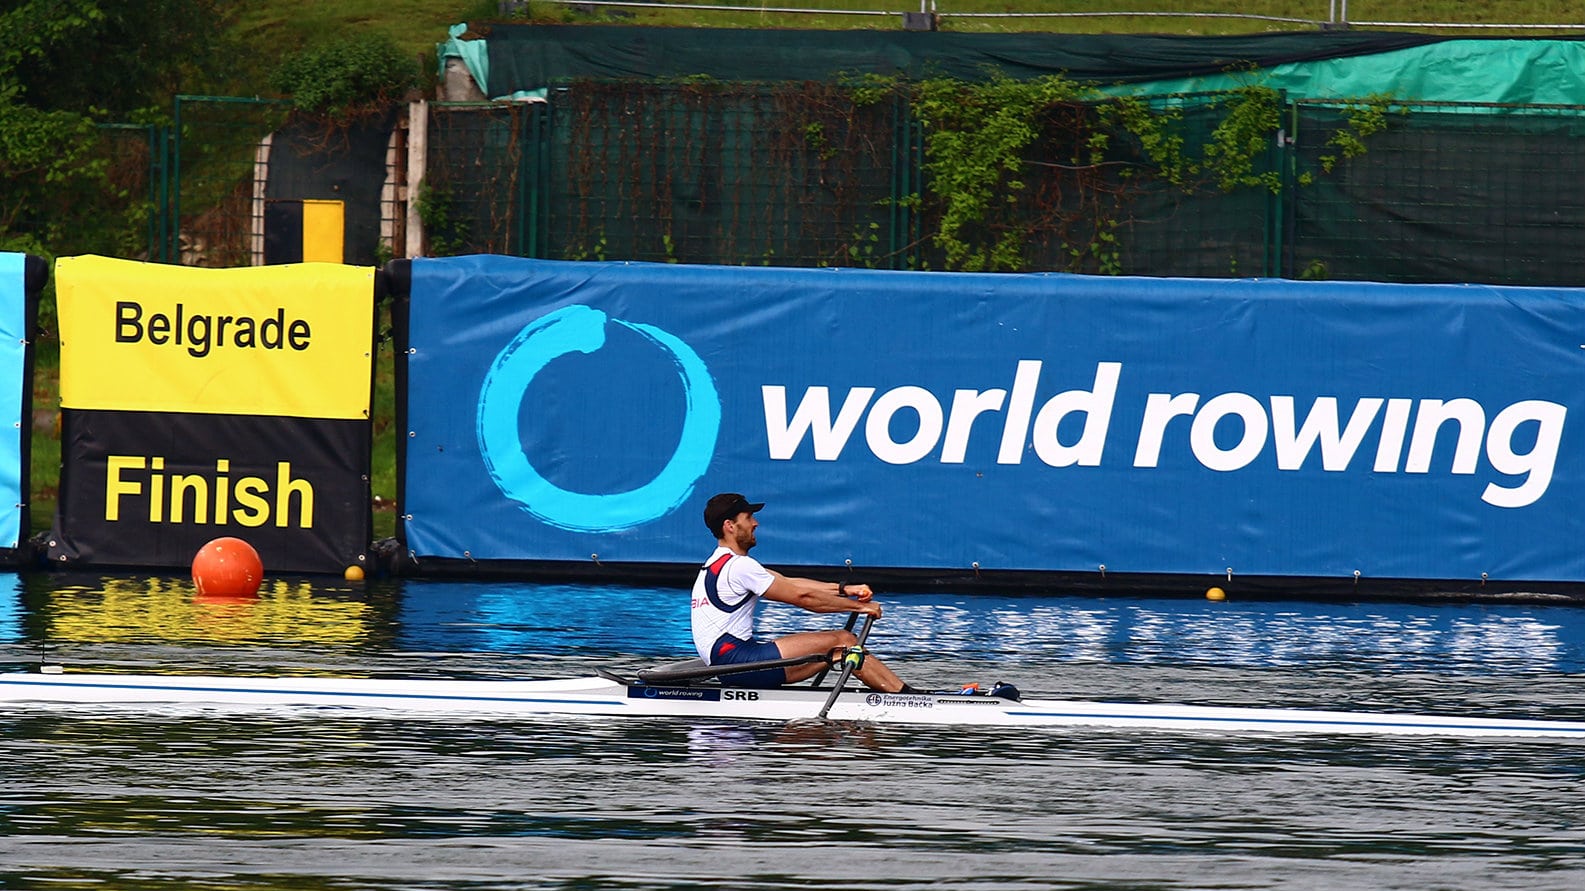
(701, 694)
(873, 699)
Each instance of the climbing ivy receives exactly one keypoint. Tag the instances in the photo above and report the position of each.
(446, 230)
(986, 141)
(1363, 120)
(992, 174)
(1011, 163)
(1254, 115)
(976, 139)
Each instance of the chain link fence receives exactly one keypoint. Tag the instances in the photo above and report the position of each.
(214, 216)
(1448, 193)
(806, 175)
(233, 157)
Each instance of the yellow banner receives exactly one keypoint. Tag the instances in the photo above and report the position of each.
(288, 341)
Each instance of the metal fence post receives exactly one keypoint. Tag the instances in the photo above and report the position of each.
(540, 143)
(1281, 156)
(417, 163)
(1290, 191)
(173, 244)
(896, 236)
(160, 193)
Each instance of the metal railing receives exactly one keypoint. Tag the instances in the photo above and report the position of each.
(1337, 16)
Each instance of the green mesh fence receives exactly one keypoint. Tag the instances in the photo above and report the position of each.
(138, 157)
(216, 219)
(123, 220)
(479, 180)
(804, 175)
(1445, 193)
(108, 203)
(788, 174)
(1123, 215)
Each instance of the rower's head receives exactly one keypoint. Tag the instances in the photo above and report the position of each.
(730, 518)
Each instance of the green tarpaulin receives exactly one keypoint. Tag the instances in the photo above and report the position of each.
(527, 57)
(1532, 72)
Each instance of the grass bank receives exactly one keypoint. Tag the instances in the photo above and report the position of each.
(417, 25)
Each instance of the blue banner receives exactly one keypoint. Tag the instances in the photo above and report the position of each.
(13, 377)
(1043, 422)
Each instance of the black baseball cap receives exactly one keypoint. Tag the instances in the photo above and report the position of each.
(726, 506)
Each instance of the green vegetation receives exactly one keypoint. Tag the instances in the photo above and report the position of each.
(69, 186)
(976, 137)
(989, 146)
(344, 75)
(68, 70)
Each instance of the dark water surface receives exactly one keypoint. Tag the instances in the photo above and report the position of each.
(142, 798)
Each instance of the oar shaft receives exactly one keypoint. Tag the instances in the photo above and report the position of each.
(847, 668)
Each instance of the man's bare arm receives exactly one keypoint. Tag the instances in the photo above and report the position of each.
(821, 597)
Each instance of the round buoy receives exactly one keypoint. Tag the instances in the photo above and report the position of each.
(1215, 594)
(354, 573)
(227, 567)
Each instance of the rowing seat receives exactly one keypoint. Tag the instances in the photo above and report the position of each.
(671, 672)
(696, 670)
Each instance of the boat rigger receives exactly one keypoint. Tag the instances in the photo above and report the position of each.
(611, 695)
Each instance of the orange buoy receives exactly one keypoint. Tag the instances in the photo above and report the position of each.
(227, 567)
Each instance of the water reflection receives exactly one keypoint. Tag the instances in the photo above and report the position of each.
(719, 745)
(524, 618)
(1016, 630)
(11, 609)
(547, 620)
(145, 798)
(567, 628)
(138, 609)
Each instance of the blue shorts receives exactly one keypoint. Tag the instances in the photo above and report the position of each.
(730, 650)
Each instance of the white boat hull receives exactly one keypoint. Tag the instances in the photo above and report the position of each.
(595, 696)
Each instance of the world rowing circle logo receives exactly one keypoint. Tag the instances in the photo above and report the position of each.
(581, 329)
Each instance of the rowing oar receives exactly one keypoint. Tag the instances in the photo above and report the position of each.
(852, 617)
(855, 655)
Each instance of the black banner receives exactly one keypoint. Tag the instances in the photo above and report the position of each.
(150, 488)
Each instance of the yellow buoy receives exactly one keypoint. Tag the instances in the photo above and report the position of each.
(353, 574)
(1215, 594)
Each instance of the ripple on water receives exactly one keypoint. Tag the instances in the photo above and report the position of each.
(331, 799)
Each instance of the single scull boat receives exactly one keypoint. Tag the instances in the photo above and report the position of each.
(666, 694)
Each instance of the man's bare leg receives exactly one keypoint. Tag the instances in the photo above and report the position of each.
(873, 672)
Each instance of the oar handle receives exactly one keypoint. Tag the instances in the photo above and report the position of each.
(847, 668)
(852, 617)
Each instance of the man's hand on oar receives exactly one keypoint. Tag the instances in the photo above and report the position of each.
(851, 662)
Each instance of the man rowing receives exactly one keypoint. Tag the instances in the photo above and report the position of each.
(729, 588)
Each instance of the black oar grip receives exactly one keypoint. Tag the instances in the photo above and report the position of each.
(847, 668)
